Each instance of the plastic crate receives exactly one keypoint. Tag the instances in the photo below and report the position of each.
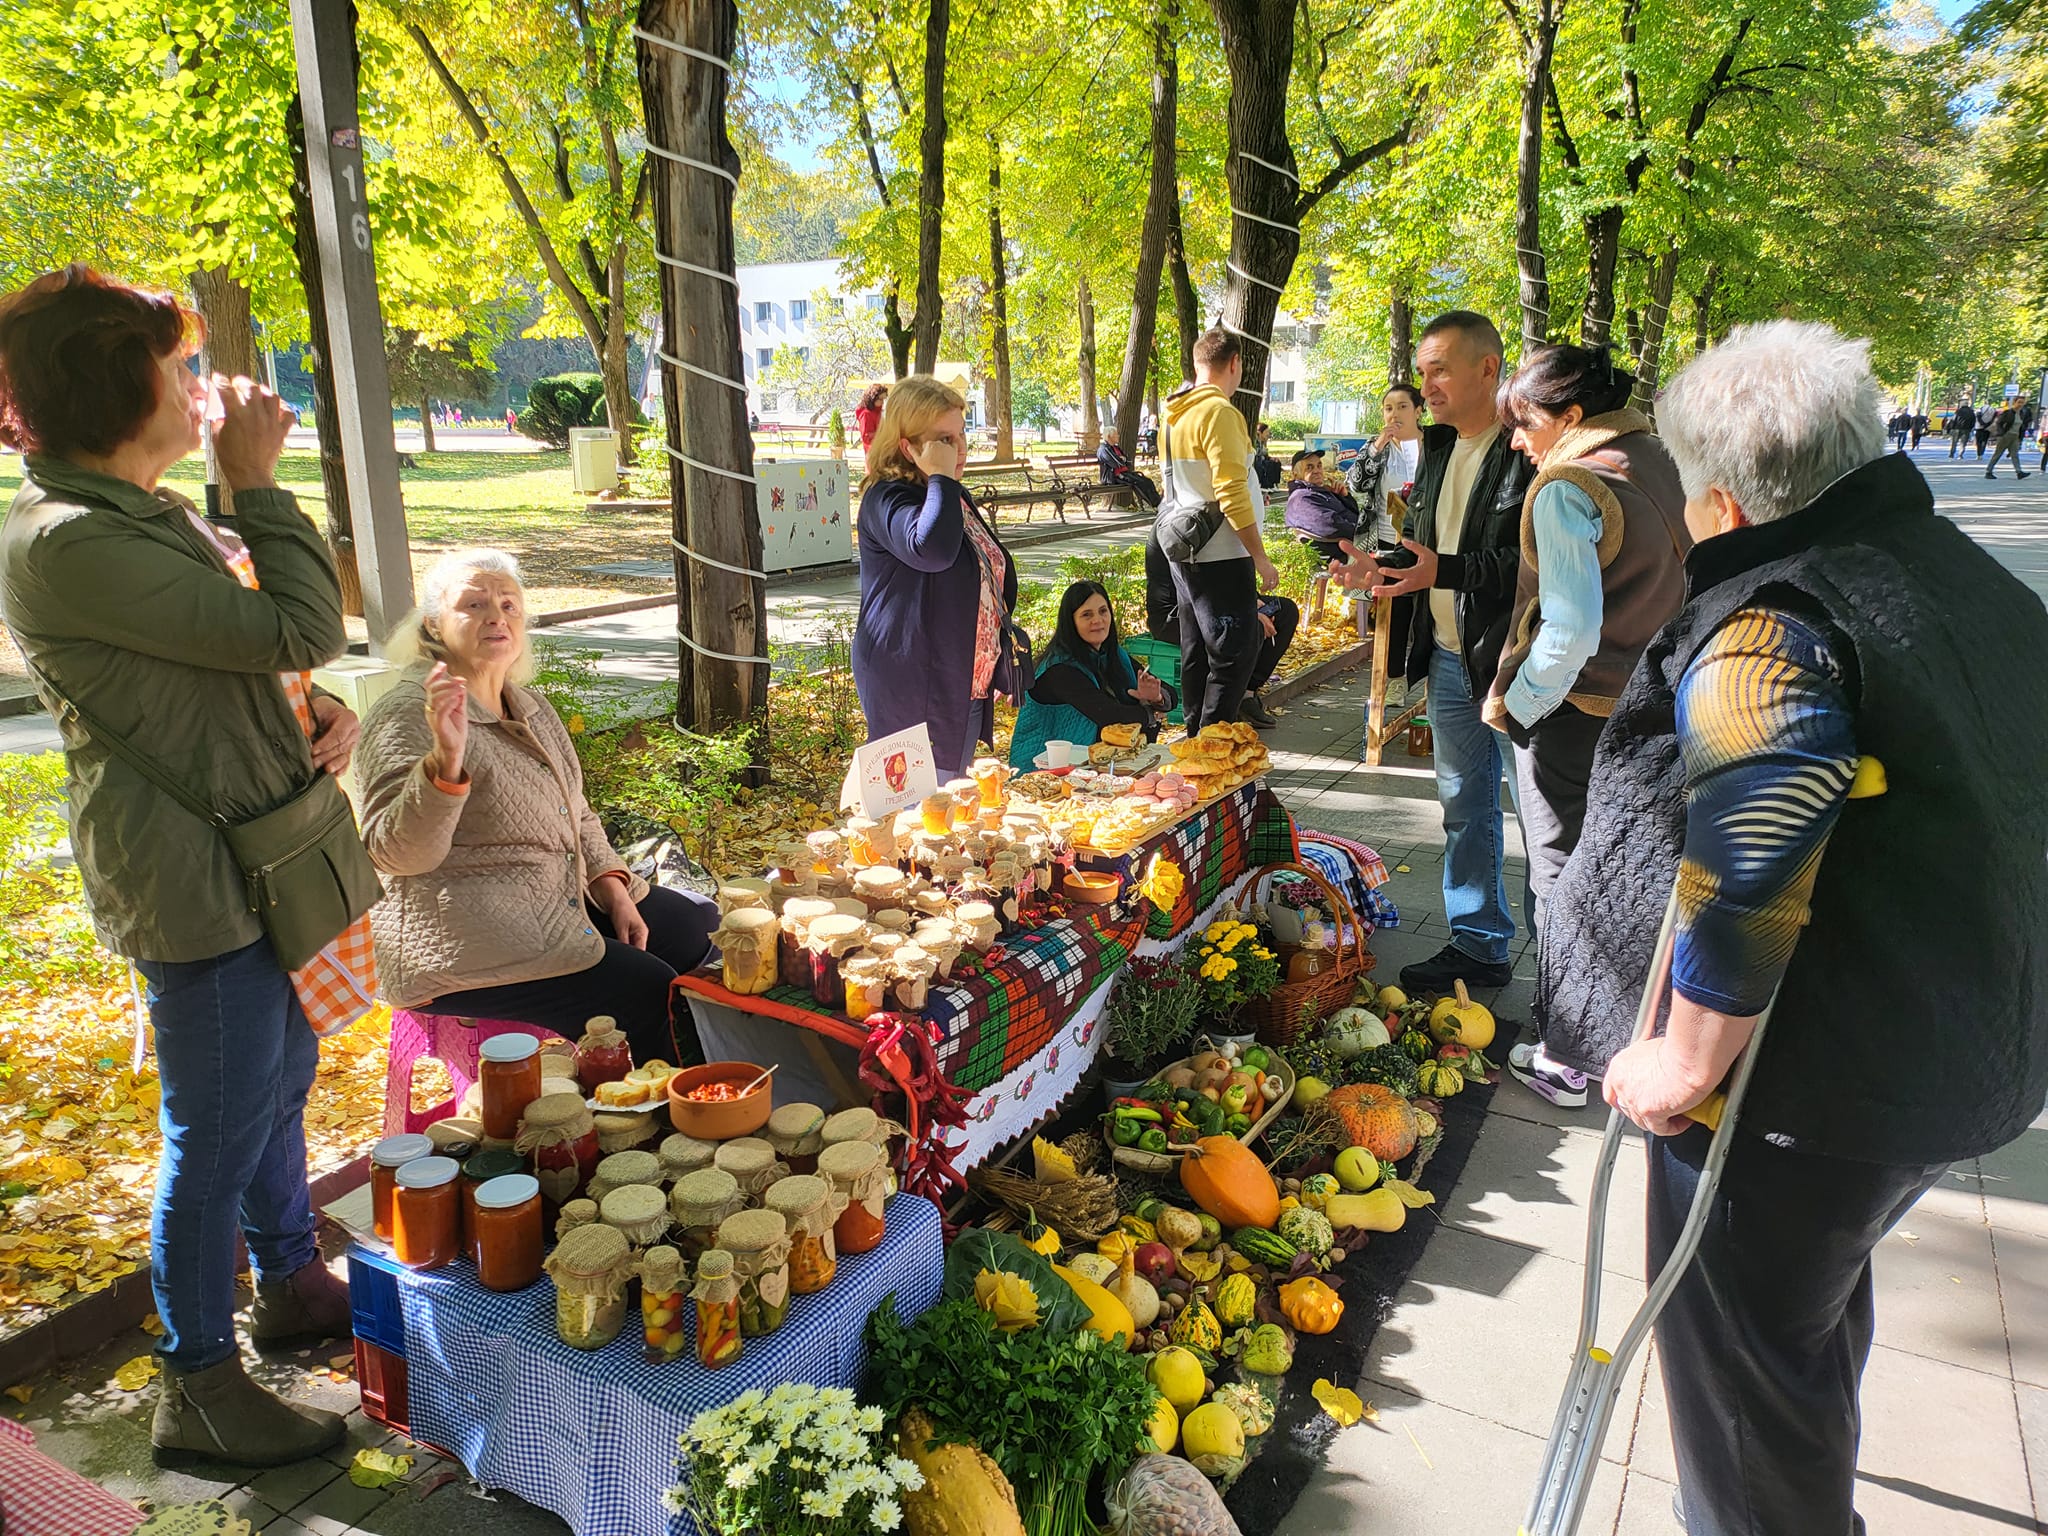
(373, 1300)
(1163, 661)
(380, 1376)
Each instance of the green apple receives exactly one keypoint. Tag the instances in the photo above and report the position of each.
(1310, 1091)
(1357, 1169)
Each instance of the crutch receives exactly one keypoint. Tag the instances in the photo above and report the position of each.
(1572, 1453)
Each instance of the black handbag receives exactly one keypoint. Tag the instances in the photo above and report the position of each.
(307, 872)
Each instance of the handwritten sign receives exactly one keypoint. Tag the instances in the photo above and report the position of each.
(891, 774)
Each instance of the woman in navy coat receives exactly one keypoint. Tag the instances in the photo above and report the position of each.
(936, 586)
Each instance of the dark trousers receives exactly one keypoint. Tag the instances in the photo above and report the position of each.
(1551, 773)
(1140, 485)
(1764, 1341)
(1983, 437)
(1220, 637)
(1286, 616)
(632, 985)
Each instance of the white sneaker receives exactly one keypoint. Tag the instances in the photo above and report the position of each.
(1547, 1078)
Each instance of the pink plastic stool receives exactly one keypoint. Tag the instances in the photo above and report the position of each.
(447, 1039)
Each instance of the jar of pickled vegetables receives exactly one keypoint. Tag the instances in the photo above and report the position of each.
(699, 1202)
(681, 1154)
(793, 960)
(753, 1163)
(386, 1158)
(590, 1267)
(639, 1212)
(749, 946)
(425, 1228)
(717, 1296)
(508, 1073)
(621, 1169)
(796, 1132)
(864, 981)
(508, 1232)
(480, 1168)
(809, 1206)
(603, 1054)
(559, 1135)
(859, 1175)
(759, 1244)
(577, 1213)
(864, 1125)
(663, 1297)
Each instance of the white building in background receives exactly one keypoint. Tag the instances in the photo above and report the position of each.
(776, 299)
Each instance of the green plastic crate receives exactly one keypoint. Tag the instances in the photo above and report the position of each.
(1163, 661)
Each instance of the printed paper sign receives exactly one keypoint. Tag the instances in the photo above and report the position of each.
(892, 774)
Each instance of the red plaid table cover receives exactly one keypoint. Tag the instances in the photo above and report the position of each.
(40, 1497)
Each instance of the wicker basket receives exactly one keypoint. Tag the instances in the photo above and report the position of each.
(1282, 1015)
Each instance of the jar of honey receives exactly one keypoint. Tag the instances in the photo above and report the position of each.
(386, 1158)
(663, 1301)
(965, 810)
(560, 1136)
(508, 1072)
(796, 1132)
(698, 1203)
(793, 960)
(990, 775)
(425, 1229)
(752, 1163)
(478, 1169)
(508, 1232)
(717, 1296)
(935, 813)
(859, 1175)
(591, 1267)
(749, 944)
(809, 1207)
(603, 1054)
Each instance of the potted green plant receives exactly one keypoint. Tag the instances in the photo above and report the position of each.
(1151, 1016)
(1232, 966)
(835, 433)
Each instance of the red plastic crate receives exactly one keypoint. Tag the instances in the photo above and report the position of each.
(380, 1375)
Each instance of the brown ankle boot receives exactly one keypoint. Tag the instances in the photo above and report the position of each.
(219, 1414)
(308, 1307)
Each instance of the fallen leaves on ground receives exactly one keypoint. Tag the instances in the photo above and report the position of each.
(136, 1374)
(1340, 1403)
(373, 1468)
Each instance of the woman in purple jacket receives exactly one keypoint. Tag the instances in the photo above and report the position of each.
(936, 586)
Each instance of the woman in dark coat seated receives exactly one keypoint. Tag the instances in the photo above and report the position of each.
(1087, 683)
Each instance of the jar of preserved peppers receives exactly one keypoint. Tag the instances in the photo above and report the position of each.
(639, 1212)
(386, 1158)
(859, 1175)
(590, 1267)
(490, 1163)
(759, 1244)
(602, 1055)
(560, 1136)
(808, 1206)
(682, 1154)
(700, 1201)
(508, 1232)
(662, 1302)
(424, 1226)
(796, 1132)
(752, 1162)
(718, 1310)
(508, 1075)
(621, 1169)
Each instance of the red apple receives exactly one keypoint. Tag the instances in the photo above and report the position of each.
(1155, 1262)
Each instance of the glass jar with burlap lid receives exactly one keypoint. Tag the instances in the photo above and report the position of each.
(749, 941)
(864, 1125)
(831, 940)
(621, 1130)
(796, 1132)
(810, 1205)
(664, 1283)
(457, 1138)
(793, 962)
(792, 862)
(828, 848)
(858, 1174)
(759, 1244)
(942, 940)
(752, 1162)
(640, 1211)
(577, 1213)
(621, 1169)
(591, 1267)
(682, 1154)
(717, 1295)
(742, 892)
(699, 1202)
(891, 924)
(978, 921)
(863, 984)
(559, 1137)
(603, 1055)
(911, 970)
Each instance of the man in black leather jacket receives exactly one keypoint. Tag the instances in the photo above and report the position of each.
(1455, 572)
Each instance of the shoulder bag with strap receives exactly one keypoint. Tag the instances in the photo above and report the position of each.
(307, 872)
(1183, 528)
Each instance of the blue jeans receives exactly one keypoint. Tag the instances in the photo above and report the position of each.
(1470, 758)
(236, 1057)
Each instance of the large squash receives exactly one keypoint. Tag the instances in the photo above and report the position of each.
(1376, 1118)
(1225, 1178)
(1459, 1018)
(1107, 1316)
(964, 1493)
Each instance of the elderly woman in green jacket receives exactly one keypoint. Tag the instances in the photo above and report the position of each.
(127, 603)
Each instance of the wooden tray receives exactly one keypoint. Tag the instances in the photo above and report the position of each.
(1138, 1159)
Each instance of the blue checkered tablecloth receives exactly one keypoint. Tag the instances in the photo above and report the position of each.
(592, 1434)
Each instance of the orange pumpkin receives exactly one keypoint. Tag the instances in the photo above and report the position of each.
(1225, 1178)
(1376, 1118)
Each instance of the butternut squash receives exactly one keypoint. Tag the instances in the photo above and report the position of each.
(1377, 1210)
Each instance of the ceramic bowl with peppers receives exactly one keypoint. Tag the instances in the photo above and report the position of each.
(707, 1101)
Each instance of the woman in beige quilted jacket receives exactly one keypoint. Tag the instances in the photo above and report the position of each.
(504, 900)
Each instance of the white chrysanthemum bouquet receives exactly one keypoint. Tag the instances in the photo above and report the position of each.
(797, 1461)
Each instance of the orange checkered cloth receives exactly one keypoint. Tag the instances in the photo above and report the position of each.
(338, 985)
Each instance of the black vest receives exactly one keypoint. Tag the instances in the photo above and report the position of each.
(1912, 1025)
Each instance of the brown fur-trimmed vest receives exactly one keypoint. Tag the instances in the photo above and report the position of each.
(1623, 469)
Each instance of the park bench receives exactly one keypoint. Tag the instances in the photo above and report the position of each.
(1016, 483)
(1082, 477)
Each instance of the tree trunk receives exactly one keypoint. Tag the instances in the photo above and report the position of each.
(1162, 198)
(999, 414)
(1703, 309)
(1187, 305)
(223, 303)
(621, 404)
(722, 609)
(931, 186)
(899, 335)
(1535, 278)
(1400, 340)
(1662, 278)
(1603, 256)
(1091, 416)
(1265, 234)
(426, 422)
(341, 538)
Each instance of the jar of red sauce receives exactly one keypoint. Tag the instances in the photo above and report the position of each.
(386, 1158)
(508, 1232)
(602, 1055)
(559, 1134)
(859, 1175)
(424, 1227)
(508, 1075)
(480, 1168)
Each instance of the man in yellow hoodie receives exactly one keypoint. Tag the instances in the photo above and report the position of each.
(1206, 458)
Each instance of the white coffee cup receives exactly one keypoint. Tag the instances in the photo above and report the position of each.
(1059, 754)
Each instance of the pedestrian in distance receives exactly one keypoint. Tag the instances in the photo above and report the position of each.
(1985, 416)
(1811, 723)
(867, 413)
(1265, 467)
(1962, 421)
(2005, 442)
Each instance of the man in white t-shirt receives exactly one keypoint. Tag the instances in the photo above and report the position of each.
(1460, 559)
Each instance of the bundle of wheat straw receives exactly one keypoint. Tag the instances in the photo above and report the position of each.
(1080, 1207)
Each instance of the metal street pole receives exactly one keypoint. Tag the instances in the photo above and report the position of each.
(323, 37)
